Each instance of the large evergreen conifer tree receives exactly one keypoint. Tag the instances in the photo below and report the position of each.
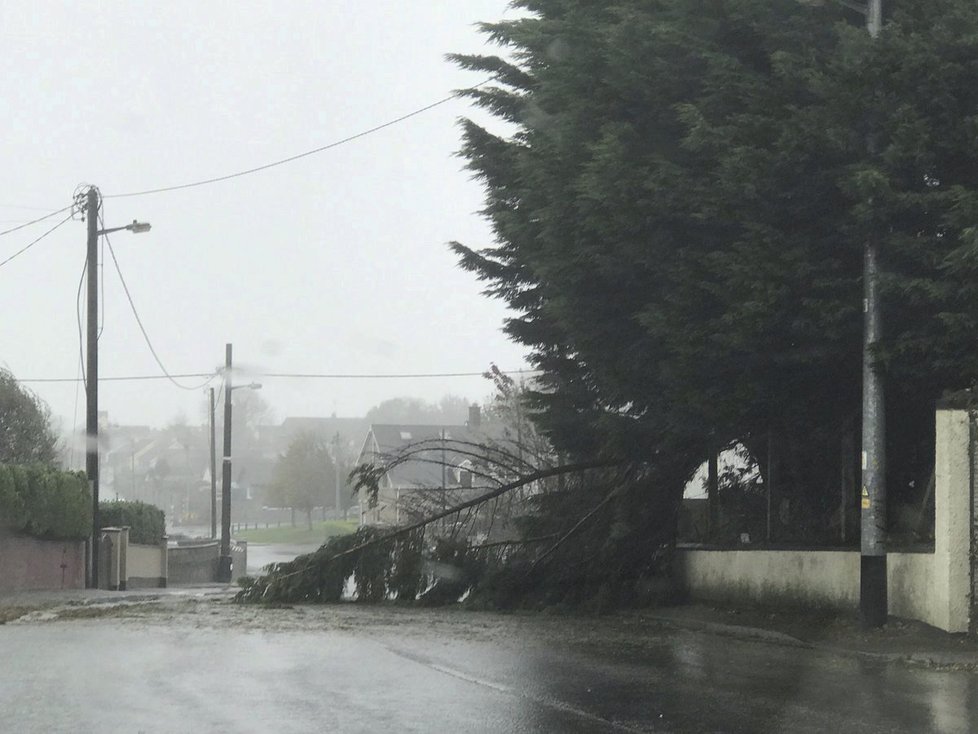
(680, 193)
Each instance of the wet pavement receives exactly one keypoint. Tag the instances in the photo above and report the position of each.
(261, 554)
(193, 662)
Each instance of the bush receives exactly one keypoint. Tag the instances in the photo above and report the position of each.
(45, 502)
(146, 523)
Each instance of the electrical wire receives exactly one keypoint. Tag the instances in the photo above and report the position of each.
(129, 378)
(28, 246)
(383, 376)
(39, 219)
(307, 153)
(23, 206)
(74, 411)
(142, 328)
(212, 375)
(101, 283)
(81, 339)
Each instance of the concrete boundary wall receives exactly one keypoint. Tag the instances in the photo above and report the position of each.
(126, 565)
(29, 564)
(146, 566)
(931, 587)
(196, 562)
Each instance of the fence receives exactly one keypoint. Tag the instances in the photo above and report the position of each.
(934, 587)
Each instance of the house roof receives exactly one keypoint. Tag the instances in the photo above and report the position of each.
(426, 468)
(330, 425)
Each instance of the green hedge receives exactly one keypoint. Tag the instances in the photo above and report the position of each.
(146, 523)
(45, 502)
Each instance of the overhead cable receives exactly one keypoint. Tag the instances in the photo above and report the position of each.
(307, 153)
(212, 375)
(39, 219)
(383, 376)
(142, 328)
(29, 245)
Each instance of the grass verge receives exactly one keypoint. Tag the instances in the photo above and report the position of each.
(300, 534)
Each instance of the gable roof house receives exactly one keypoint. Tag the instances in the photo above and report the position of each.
(436, 474)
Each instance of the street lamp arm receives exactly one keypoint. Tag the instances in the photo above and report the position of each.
(135, 228)
(252, 386)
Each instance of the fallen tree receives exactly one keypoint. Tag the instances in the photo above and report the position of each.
(401, 562)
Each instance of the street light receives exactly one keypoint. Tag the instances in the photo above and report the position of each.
(91, 377)
(224, 561)
(135, 228)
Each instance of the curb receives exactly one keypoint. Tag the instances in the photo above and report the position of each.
(755, 634)
(936, 660)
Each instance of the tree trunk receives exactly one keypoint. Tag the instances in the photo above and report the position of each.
(309, 518)
(292, 511)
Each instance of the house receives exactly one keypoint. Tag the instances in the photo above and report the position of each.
(434, 470)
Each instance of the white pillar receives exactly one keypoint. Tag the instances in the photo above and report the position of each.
(952, 514)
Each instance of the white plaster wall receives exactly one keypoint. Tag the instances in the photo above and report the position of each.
(146, 561)
(952, 517)
(810, 578)
(910, 587)
(819, 578)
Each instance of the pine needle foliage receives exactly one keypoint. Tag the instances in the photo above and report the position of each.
(680, 193)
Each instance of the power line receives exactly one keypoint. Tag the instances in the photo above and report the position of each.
(127, 378)
(28, 246)
(142, 328)
(74, 413)
(382, 376)
(39, 219)
(288, 375)
(24, 206)
(307, 153)
(78, 318)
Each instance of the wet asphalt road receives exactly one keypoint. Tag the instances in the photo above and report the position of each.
(261, 554)
(207, 666)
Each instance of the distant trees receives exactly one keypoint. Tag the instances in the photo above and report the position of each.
(26, 436)
(304, 476)
(451, 409)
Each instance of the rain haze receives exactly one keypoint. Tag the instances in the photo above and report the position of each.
(741, 238)
(333, 264)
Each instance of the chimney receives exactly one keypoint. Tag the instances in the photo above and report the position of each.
(475, 416)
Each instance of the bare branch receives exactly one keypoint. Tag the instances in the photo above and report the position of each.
(481, 499)
(580, 523)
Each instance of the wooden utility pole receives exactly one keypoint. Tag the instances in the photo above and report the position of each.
(224, 562)
(213, 422)
(712, 487)
(336, 465)
(872, 576)
(91, 377)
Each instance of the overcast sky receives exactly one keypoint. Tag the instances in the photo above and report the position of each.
(336, 263)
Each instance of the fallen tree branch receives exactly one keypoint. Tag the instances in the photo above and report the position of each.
(518, 541)
(610, 496)
(528, 479)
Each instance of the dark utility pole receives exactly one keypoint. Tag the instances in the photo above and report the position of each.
(336, 465)
(213, 468)
(872, 578)
(224, 563)
(91, 376)
(712, 490)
